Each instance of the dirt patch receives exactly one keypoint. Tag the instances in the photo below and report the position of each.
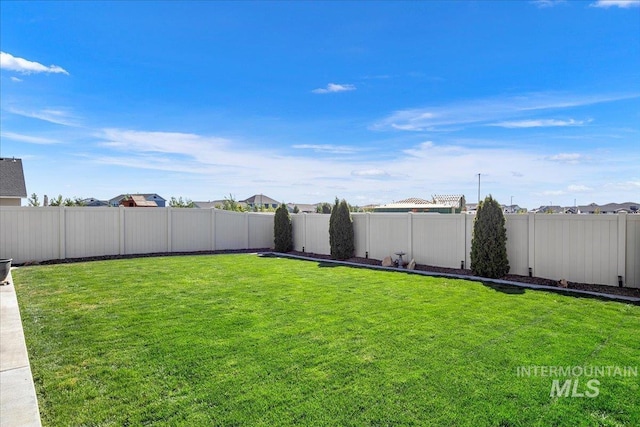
(613, 290)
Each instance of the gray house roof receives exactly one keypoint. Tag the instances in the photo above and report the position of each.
(12, 178)
(260, 200)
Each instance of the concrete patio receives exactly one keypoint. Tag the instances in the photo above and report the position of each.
(18, 401)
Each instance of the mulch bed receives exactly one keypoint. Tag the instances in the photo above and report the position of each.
(613, 290)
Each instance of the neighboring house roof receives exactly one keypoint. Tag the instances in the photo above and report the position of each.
(12, 178)
(206, 205)
(260, 199)
(91, 201)
(414, 201)
(302, 207)
(452, 200)
(609, 207)
(146, 196)
(141, 202)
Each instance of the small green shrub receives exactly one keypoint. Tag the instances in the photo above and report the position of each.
(489, 243)
(341, 237)
(282, 230)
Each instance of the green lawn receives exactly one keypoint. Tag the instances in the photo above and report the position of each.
(242, 340)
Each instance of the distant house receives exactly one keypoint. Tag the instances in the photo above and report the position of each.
(137, 201)
(94, 203)
(438, 204)
(302, 207)
(12, 186)
(555, 209)
(609, 208)
(258, 201)
(149, 197)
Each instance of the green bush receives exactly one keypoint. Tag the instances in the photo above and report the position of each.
(489, 243)
(341, 237)
(282, 230)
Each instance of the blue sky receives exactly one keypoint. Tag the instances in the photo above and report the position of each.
(306, 101)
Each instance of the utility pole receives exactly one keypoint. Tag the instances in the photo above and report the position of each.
(511, 205)
(478, 188)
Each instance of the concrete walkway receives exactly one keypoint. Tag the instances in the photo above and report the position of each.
(18, 401)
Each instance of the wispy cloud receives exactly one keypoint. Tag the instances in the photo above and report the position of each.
(24, 66)
(535, 123)
(327, 148)
(371, 174)
(579, 189)
(547, 3)
(334, 88)
(15, 79)
(488, 110)
(567, 158)
(28, 138)
(52, 115)
(616, 3)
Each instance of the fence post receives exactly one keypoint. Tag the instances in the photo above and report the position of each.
(246, 230)
(169, 229)
(410, 236)
(462, 233)
(532, 243)
(622, 247)
(304, 232)
(368, 236)
(213, 229)
(62, 213)
(121, 229)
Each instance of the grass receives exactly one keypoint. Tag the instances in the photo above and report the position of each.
(240, 340)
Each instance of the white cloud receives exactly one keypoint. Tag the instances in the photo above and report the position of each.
(24, 66)
(616, 3)
(15, 79)
(371, 173)
(327, 148)
(28, 138)
(579, 189)
(547, 3)
(204, 167)
(51, 115)
(333, 88)
(553, 193)
(567, 157)
(488, 110)
(539, 123)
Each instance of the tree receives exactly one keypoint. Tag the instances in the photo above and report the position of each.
(230, 204)
(33, 200)
(179, 203)
(323, 208)
(489, 243)
(282, 230)
(296, 209)
(58, 201)
(341, 238)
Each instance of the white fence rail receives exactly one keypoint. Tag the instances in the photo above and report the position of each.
(581, 248)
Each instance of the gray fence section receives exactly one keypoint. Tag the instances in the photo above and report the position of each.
(600, 249)
(39, 234)
(583, 248)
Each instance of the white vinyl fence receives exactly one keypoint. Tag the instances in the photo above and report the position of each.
(39, 234)
(600, 249)
(580, 248)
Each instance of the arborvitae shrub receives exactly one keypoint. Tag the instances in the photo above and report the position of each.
(489, 243)
(341, 237)
(282, 230)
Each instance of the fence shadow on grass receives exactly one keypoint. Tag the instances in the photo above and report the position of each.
(505, 289)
